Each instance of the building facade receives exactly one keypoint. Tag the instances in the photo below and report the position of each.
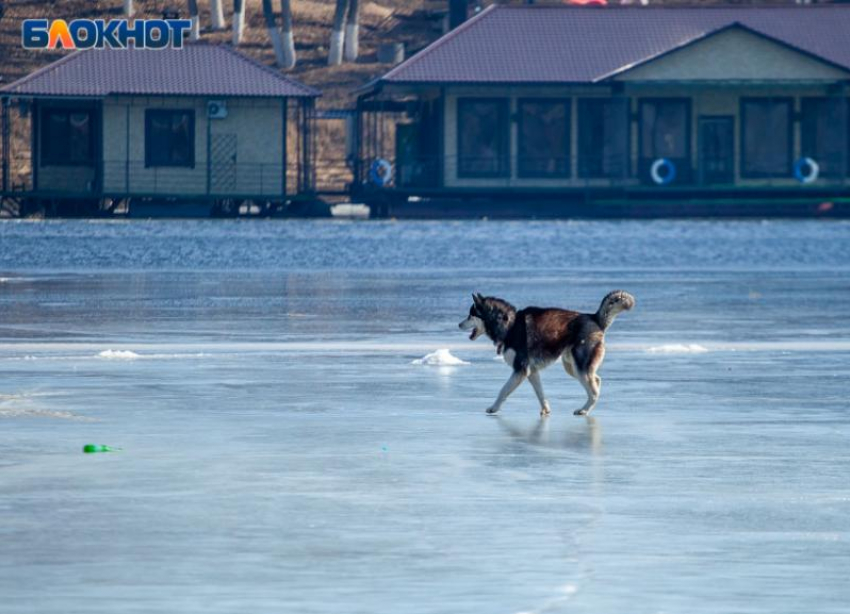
(124, 128)
(617, 109)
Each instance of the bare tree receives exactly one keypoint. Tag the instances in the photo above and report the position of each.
(352, 31)
(238, 21)
(337, 34)
(196, 20)
(129, 10)
(274, 33)
(288, 38)
(217, 14)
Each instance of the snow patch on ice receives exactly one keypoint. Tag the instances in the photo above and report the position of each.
(28, 412)
(23, 405)
(440, 358)
(678, 348)
(119, 355)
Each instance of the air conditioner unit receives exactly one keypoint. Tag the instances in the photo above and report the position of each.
(216, 109)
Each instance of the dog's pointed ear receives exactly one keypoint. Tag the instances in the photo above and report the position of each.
(477, 298)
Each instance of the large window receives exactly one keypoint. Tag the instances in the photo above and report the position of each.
(665, 132)
(544, 138)
(67, 137)
(482, 137)
(603, 138)
(766, 139)
(826, 134)
(169, 138)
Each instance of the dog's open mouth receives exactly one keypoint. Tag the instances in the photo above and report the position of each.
(473, 335)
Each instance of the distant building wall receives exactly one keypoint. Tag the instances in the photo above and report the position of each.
(726, 101)
(76, 179)
(246, 161)
(513, 94)
(713, 75)
(705, 100)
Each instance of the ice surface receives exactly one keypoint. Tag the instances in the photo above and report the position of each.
(282, 454)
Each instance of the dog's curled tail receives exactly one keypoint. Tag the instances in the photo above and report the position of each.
(613, 303)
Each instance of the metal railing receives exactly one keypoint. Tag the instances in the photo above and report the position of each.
(573, 171)
(129, 178)
(215, 179)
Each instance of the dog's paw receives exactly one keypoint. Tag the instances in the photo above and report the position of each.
(545, 410)
(580, 412)
(492, 410)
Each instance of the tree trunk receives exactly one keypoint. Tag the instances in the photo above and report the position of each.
(129, 10)
(196, 20)
(288, 38)
(337, 34)
(238, 21)
(352, 31)
(217, 14)
(274, 33)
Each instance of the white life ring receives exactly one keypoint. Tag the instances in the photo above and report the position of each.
(381, 172)
(655, 171)
(806, 177)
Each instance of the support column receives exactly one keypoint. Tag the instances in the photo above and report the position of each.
(209, 152)
(6, 130)
(441, 142)
(308, 176)
(843, 93)
(127, 149)
(284, 153)
(358, 148)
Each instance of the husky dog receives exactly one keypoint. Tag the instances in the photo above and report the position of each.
(534, 338)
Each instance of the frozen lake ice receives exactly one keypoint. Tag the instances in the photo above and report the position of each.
(284, 452)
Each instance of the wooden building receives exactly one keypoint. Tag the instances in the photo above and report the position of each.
(198, 130)
(609, 111)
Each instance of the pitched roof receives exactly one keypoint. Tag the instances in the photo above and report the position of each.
(572, 44)
(194, 70)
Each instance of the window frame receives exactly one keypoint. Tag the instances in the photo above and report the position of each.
(808, 138)
(742, 172)
(581, 126)
(503, 132)
(45, 155)
(149, 117)
(689, 126)
(567, 103)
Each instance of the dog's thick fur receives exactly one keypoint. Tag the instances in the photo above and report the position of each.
(534, 338)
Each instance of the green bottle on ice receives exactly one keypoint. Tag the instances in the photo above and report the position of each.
(91, 448)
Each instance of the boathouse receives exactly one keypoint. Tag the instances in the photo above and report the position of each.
(617, 110)
(191, 131)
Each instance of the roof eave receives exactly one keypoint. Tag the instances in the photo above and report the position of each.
(42, 95)
(505, 83)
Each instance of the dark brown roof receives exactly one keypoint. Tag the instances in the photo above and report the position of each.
(194, 70)
(570, 44)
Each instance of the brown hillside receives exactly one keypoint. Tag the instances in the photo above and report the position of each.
(413, 22)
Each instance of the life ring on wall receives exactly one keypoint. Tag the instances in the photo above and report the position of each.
(800, 170)
(381, 172)
(669, 171)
